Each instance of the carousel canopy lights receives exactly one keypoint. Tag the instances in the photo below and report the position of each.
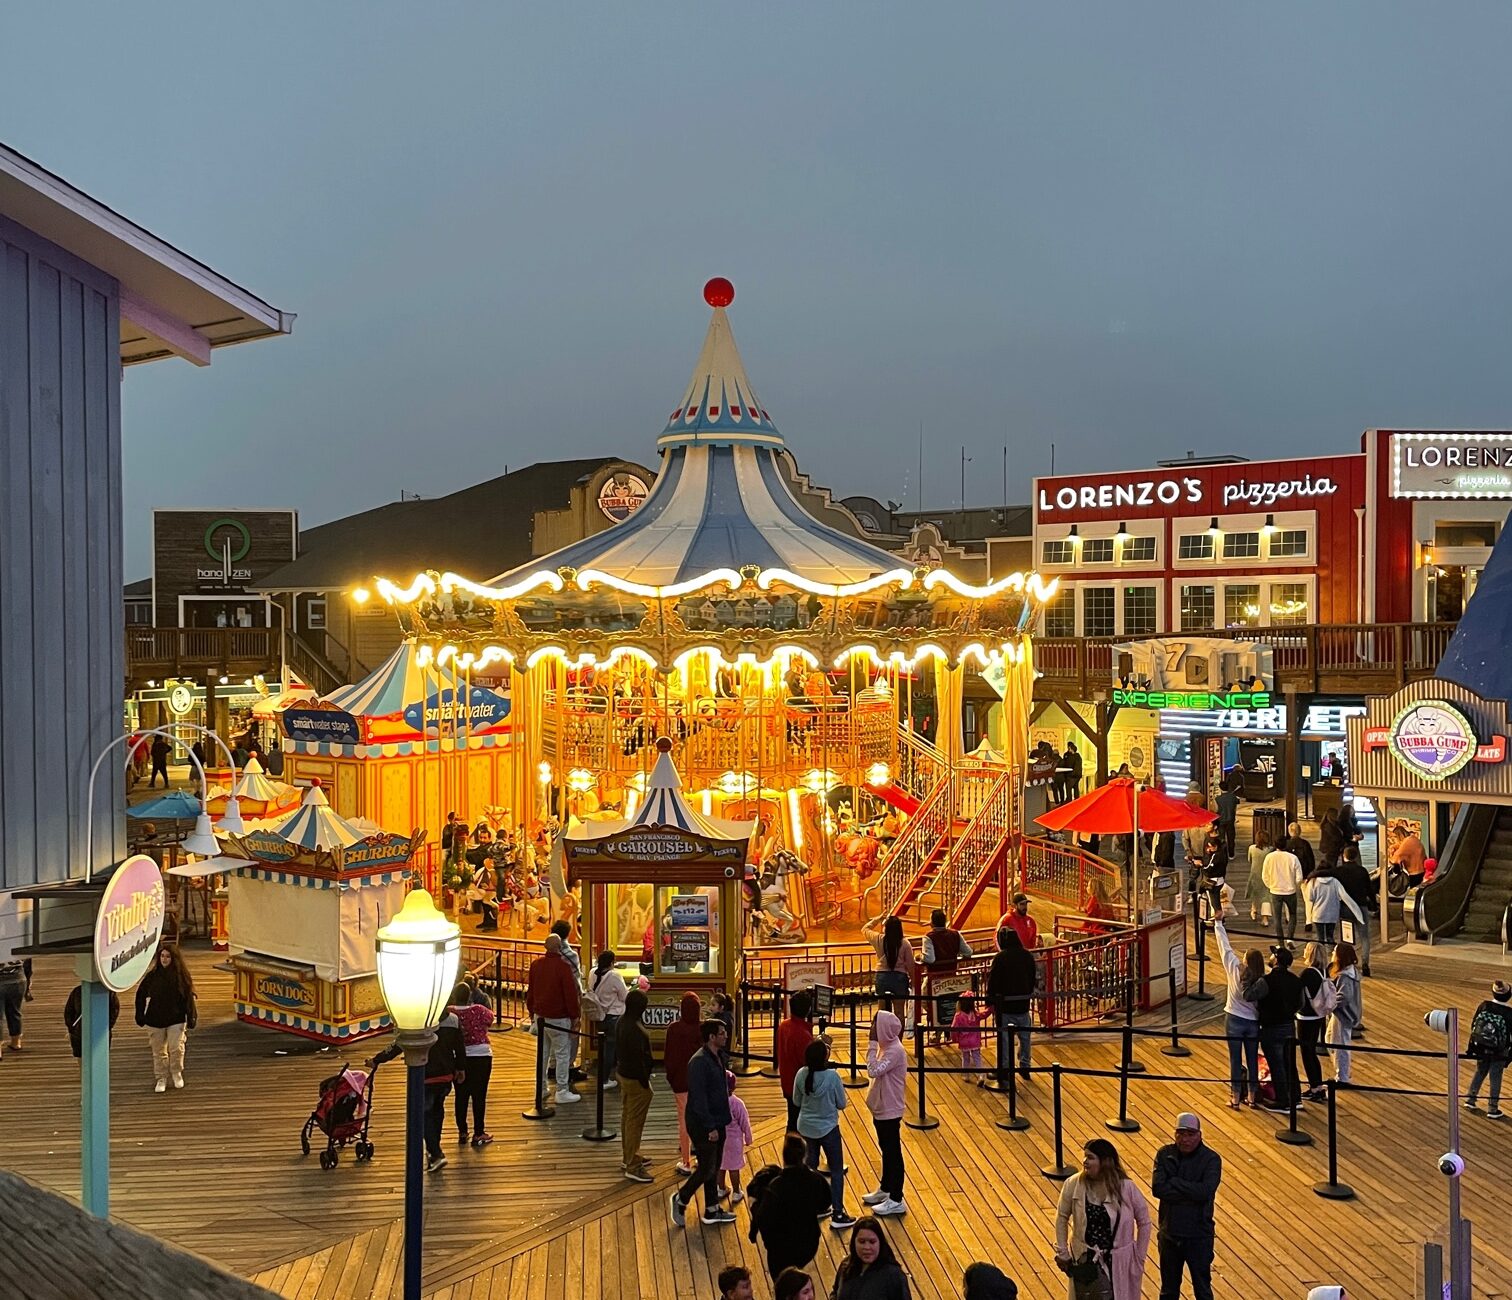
(580, 780)
(543, 772)
(361, 596)
(820, 782)
(878, 775)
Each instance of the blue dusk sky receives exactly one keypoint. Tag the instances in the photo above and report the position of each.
(1131, 230)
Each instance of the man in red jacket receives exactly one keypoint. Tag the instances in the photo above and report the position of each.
(552, 996)
(793, 1037)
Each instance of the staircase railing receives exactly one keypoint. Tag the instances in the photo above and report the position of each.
(921, 766)
(911, 850)
(980, 843)
(1062, 872)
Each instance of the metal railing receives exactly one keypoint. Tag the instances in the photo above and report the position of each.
(1062, 872)
(980, 846)
(920, 765)
(1305, 658)
(919, 842)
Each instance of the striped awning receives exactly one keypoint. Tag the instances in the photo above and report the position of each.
(317, 827)
(666, 806)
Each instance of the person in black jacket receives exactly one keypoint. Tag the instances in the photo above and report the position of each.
(73, 1018)
(786, 1206)
(445, 1064)
(632, 1067)
(1356, 881)
(1295, 843)
(1010, 986)
(1185, 1182)
(1278, 1020)
(707, 1115)
(165, 1008)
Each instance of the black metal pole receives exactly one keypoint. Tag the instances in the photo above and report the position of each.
(994, 1081)
(745, 1070)
(541, 1110)
(1291, 1135)
(1059, 1170)
(925, 1119)
(855, 1080)
(598, 1133)
(414, 1174)
(1015, 1123)
(1174, 1047)
(1333, 1189)
(1201, 995)
(1130, 1065)
(1123, 1124)
(771, 1071)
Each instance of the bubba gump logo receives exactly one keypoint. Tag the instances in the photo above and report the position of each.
(1434, 739)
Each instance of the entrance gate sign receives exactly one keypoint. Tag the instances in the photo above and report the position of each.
(129, 923)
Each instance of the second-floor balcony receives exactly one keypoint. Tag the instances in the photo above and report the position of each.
(153, 653)
(1333, 658)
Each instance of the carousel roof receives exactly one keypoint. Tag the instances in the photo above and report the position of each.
(404, 678)
(317, 826)
(666, 806)
(721, 502)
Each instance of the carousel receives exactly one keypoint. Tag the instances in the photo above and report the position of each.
(781, 664)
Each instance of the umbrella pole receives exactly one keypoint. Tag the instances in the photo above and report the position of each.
(1134, 861)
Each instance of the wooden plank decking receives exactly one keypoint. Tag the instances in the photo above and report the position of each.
(542, 1213)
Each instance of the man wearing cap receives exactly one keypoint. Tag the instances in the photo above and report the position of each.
(1185, 1182)
(1019, 920)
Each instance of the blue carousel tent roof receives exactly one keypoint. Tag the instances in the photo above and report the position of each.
(393, 686)
(721, 500)
(1478, 656)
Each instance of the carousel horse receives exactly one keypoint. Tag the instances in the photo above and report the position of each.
(773, 919)
(861, 853)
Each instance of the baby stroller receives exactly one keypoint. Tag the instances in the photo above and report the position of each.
(346, 1102)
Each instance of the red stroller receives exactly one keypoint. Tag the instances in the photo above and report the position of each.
(346, 1102)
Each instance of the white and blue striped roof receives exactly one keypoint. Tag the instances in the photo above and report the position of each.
(665, 806)
(721, 500)
(393, 686)
(317, 827)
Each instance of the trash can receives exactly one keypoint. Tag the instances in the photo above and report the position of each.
(1271, 822)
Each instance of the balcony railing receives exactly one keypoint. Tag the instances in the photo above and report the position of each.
(1346, 657)
(156, 652)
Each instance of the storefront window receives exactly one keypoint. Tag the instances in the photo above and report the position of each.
(1196, 608)
(1288, 603)
(688, 929)
(1196, 546)
(1060, 613)
(1061, 550)
(1139, 611)
(1288, 544)
(1470, 532)
(1097, 550)
(1241, 546)
(1097, 611)
(1241, 605)
(1138, 550)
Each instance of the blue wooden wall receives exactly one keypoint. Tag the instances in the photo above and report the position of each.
(61, 634)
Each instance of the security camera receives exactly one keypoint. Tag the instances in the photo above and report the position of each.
(1437, 1021)
(1451, 1164)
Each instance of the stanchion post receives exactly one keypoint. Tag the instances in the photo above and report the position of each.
(1174, 1047)
(540, 1110)
(1201, 995)
(994, 1081)
(855, 1080)
(1015, 1123)
(1333, 1189)
(1130, 1065)
(1291, 1135)
(775, 991)
(1060, 1170)
(925, 1119)
(598, 1133)
(745, 1069)
(1123, 1124)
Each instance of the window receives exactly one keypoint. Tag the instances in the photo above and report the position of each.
(1138, 550)
(1097, 550)
(1196, 608)
(1139, 611)
(1060, 613)
(1241, 546)
(1060, 551)
(1288, 602)
(1196, 546)
(315, 613)
(1467, 533)
(688, 925)
(1241, 604)
(1097, 611)
(1288, 543)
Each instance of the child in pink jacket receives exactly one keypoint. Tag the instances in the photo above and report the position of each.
(887, 1068)
(737, 1138)
(966, 1030)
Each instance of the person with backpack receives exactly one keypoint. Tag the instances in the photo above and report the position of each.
(786, 1205)
(1490, 1047)
(1319, 997)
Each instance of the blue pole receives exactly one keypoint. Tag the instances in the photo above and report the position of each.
(94, 1116)
(414, 1172)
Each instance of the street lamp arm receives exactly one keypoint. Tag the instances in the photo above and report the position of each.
(95, 771)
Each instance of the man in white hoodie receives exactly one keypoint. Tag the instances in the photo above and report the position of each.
(1282, 873)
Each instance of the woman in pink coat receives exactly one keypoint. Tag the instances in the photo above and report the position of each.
(1104, 1217)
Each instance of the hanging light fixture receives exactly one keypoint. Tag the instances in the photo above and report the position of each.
(1270, 524)
(201, 840)
(1122, 534)
(1213, 526)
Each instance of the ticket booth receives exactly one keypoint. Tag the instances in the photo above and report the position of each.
(662, 891)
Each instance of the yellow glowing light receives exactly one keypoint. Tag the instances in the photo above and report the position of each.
(580, 780)
(455, 582)
(596, 577)
(708, 803)
(878, 775)
(820, 781)
(945, 578)
(902, 577)
(1040, 589)
(796, 818)
(736, 783)
(362, 595)
(632, 802)
(543, 772)
(423, 584)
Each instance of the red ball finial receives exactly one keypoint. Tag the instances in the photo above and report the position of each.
(719, 292)
(663, 745)
(315, 783)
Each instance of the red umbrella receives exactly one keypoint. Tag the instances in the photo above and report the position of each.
(1119, 809)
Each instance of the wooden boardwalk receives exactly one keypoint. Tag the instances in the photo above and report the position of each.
(542, 1213)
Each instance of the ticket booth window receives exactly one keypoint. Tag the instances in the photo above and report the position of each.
(688, 923)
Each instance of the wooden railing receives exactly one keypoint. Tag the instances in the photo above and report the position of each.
(980, 845)
(1062, 872)
(200, 651)
(1332, 656)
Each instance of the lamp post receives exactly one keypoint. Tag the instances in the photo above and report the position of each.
(1451, 1164)
(418, 952)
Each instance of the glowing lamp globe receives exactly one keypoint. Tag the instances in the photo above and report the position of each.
(719, 292)
(418, 953)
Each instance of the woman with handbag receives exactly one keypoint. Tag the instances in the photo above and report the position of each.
(895, 965)
(1102, 1228)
